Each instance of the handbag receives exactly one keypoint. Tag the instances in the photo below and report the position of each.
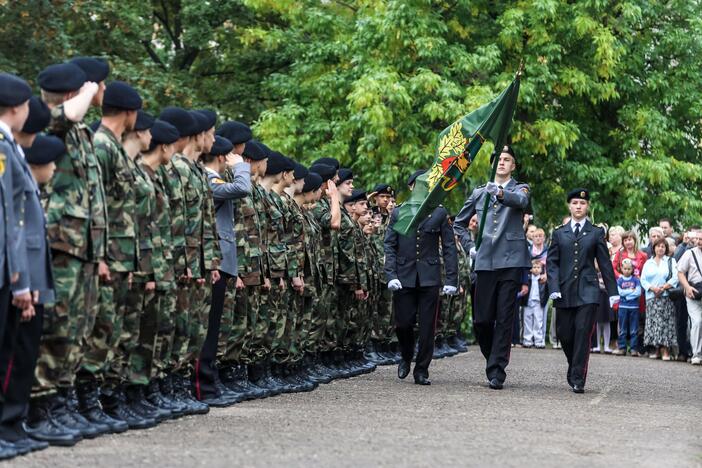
(677, 292)
(697, 286)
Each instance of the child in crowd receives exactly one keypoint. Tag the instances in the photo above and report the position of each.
(534, 303)
(629, 293)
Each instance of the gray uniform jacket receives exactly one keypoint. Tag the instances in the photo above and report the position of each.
(38, 252)
(8, 263)
(504, 242)
(571, 268)
(16, 240)
(224, 194)
(414, 259)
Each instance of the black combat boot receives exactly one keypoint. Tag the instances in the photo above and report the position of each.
(456, 344)
(41, 425)
(91, 409)
(136, 397)
(155, 398)
(252, 391)
(185, 395)
(65, 412)
(168, 393)
(114, 403)
(259, 376)
(230, 379)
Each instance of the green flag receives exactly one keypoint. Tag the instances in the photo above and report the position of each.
(458, 145)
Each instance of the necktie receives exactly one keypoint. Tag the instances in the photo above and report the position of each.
(577, 229)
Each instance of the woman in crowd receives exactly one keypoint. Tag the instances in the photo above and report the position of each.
(659, 274)
(615, 240)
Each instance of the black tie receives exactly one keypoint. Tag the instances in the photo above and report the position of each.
(577, 229)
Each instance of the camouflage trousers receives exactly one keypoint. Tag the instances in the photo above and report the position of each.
(163, 348)
(67, 323)
(313, 323)
(198, 317)
(347, 314)
(459, 306)
(329, 310)
(445, 308)
(367, 316)
(128, 340)
(233, 324)
(383, 325)
(140, 367)
(254, 302)
(181, 334)
(102, 341)
(277, 305)
(293, 327)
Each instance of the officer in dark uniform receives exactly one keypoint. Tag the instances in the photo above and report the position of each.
(500, 262)
(413, 270)
(572, 280)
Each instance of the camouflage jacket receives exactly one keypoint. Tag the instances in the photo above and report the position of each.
(249, 242)
(76, 219)
(314, 271)
(176, 204)
(210, 244)
(195, 192)
(295, 236)
(275, 236)
(118, 178)
(164, 272)
(329, 239)
(378, 240)
(151, 259)
(349, 272)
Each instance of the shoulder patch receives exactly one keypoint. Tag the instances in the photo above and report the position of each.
(217, 180)
(2, 136)
(525, 189)
(2, 162)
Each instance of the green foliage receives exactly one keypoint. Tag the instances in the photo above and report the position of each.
(611, 96)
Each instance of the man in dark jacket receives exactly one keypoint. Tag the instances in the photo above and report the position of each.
(413, 270)
(572, 280)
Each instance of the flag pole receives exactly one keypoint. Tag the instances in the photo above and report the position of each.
(499, 145)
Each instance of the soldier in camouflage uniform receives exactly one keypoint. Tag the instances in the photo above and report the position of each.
(76, 231)
(159, 153)
(459, 302)
(351, 280)
(243, 342)
(327, 214)
(185, 255)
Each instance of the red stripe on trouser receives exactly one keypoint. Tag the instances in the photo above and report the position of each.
(197, 379)
(6, 383)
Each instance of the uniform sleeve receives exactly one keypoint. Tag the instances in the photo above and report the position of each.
(19, 234)
(460, 225)
(59, 124)
(450, 253)
(239, 187)
(553, 264)
(517, 198)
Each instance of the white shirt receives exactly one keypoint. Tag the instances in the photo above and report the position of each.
(574, 222)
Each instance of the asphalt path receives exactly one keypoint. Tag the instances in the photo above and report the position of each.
(635, 412)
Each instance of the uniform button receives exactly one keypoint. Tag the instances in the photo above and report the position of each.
(575, 268)
(495, 221)
(576, 276)
(576, 260)
(576, 244)
(429, 216)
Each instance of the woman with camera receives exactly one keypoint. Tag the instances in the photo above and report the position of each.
(690, 277)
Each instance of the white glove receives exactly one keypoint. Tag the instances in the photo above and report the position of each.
(554, 296)
(449, 290)
(394, 285)
(472, 252)
(613, 300)
(492, 188)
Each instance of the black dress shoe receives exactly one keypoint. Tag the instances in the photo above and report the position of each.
(421, 380)
(403, 369)
(496, 384)
(578, 389)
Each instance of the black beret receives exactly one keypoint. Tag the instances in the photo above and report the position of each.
(300, 171)
(210, 115)
(120, 95)
(264, 147)
(45, 149)
(505, 149)
(414, 176)
(289, 164)
(276, 163)
(344, 175)
(356, 195)
(312, 182)
(254, 151)
(181, 120)
(13, 90)
(329, 162)
(234, 131)
(221, 146)
(96, 69)
(95, 125)
(201, 121)
(144, 121)
(39, 116)
(163, 133)
(382, 189)
(581, 193)
(61, 78)
(324, 171)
